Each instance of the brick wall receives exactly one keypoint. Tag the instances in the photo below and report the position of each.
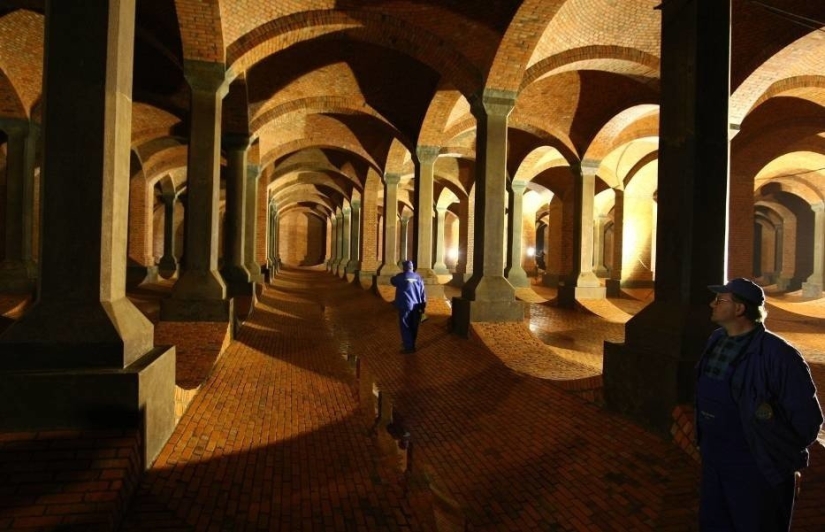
(302, 238)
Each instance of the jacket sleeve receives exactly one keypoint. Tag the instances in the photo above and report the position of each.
(796, 393)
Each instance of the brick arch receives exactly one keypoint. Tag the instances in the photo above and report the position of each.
(201, 30)
(795, 84)
(788, 219)
(520, 41)
(10, 104)
(554, 139)
(633, 122)
(320, 105)
(316, 141)
(375, 28)
(615, 59)
(398, 154)
(299, 175)
(21, 61)
(164, 161)
(800, 62)
(537, 161)
(150, 122)
(801, 188)
(750, 155)
(438, 116)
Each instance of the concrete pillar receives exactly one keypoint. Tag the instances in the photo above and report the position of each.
(276, 240)
(582, 283)
(598, 247)
(814, 284)
(17, 269)
(404, 237)
(389, 266)
(425, 157)
(334, 237)
(614, 283)
(462, 271)
(271, 238)
(440, 265)
(83, 356)
(253, 174)
(235, 274)
(515, 272)
(487, 295)
(168, 264)
(345, 228)
(651, 372)
(200, 292)
(354, 263)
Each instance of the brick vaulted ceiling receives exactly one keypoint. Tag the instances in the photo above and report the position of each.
(332, 89)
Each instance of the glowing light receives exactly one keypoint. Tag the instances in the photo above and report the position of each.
(531, 252)
(452, 253)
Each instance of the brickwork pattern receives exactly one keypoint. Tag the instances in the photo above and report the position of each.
(76, 480)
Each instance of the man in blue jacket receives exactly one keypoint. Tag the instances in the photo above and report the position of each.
(410, 300)
(756, 414)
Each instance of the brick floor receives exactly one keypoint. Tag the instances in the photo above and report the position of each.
(312, 420)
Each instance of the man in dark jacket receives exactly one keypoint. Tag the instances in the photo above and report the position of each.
(756, 414)
(411, 301)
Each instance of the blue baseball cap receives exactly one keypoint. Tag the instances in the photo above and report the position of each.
(744, 289)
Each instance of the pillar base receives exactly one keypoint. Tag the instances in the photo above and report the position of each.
(613, 287)
(785, 284)
(137, 274)
(568, 295)
(653, 371)
(140, 396)
(459, 279)
(15, 278)
(174, 309)
(466, 312)
(518, 279)
(811, 289)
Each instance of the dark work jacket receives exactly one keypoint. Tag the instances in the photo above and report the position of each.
(771, 376)
(409, 291)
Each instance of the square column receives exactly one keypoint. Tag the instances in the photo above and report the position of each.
(83, 357)
(234, 273)
(488, 296)
(653, 370)
(389, 266)
(200, 292)
(515, 272)
(354, 263)
(253, 175)
(812, 287)
(17, 270)
(582, 283)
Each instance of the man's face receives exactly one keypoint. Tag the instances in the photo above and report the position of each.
(724, 309)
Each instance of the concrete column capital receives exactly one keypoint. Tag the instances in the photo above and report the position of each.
(493, 102)
(818, 207)
(585, 168)
(205, 76)
(15, 128)
(392, 179)
(518, 187)
(441, 210)
(427, 155)
(235, 142)
(253, 172)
